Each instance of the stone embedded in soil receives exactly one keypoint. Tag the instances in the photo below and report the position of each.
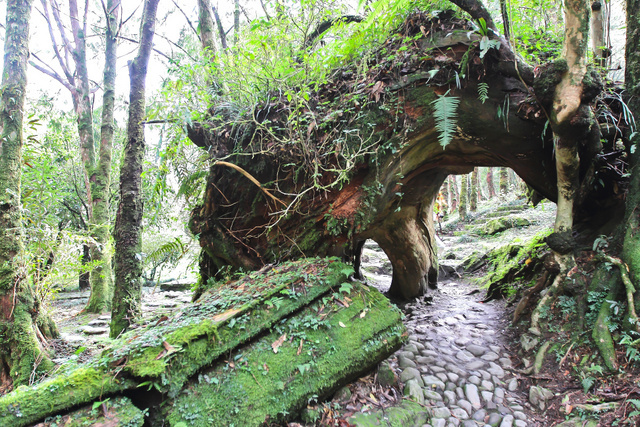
(98, 322)
(413, 390)
(90, 330)
(471, 391)
(409, 374)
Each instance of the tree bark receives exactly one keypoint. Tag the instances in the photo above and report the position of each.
(474, 193)
(490, 187)
(444, 200)
(503, 181)
(128, 229)
(455, 194)
(598, 41)
(205, 22)
(463, 208)
(100, 176)
(21, 355)
(631, 245)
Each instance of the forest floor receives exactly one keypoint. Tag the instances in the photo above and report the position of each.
(463, 362)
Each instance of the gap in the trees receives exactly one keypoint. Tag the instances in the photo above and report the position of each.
(375, 266)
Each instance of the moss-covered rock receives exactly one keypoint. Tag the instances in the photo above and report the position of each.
(407, 414)
(346, 329)
(308, 356)
(504, 223)
(110, 412)
(513, 263)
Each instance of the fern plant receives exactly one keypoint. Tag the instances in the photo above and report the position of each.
(445, 111)
(483, 91)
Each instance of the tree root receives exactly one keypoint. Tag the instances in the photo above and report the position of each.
(602, 407)
(537, 365)
(565, 263)
(528, 294)
(545, 303)
(629, 288)
(601, 333)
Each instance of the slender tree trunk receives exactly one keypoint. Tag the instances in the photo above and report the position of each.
(236, 21)
(20, 351)
(506, 25)
(455, 195)
(598, 41)
(205, 22)
(128, 230)
(221, 32)
(464, 191)
(490, 187)
(503, 181)
(631, 246)
(572, 123)
(84, 280)
(100, 176)
(444, 203)
(473, 194)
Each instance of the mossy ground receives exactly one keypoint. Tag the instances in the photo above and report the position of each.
(317, 350)
(110, 412)
(165, 355)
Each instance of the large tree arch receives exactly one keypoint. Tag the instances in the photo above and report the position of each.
(390, 190)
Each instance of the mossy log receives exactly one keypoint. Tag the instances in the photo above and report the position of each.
(362, 158)
(155, 364)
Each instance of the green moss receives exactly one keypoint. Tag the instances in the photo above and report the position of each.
(167, 354)
(26, 405)
(408, 413)
(224, 318)
(320, 348)
(509, 262)
(117, 412)
(504, 223)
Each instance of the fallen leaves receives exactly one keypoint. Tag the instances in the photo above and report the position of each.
(277, 343)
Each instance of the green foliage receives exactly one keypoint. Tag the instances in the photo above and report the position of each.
(445, 110)
(483, 91)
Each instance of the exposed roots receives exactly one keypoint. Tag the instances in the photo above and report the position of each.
(566, 265)
(601, 333)
(629, 289)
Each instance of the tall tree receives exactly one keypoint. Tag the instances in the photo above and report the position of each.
(631, 246)
(128, 229)
(572, 122)
(205, 22)
(474, 191)
(503, 181)
(100, 175)
(20, 351)
(464, 192)
(490, 187)
(453, 190)
(75, 77)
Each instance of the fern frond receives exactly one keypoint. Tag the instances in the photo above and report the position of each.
(483, 91)
(191, 185)
(445, 111)
(172, 249)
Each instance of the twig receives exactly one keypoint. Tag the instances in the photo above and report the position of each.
(250, 178)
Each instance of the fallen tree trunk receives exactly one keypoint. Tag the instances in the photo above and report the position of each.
(341, 328)
(364, 158)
